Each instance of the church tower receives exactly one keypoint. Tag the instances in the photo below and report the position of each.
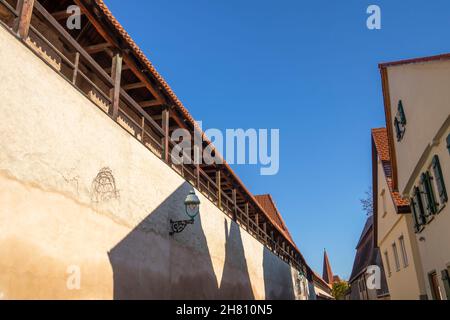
(327, 273)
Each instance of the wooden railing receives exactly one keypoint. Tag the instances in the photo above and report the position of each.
(134, 119)
(72, 62)
(10, 22)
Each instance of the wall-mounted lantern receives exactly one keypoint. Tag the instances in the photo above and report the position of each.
(192, 207)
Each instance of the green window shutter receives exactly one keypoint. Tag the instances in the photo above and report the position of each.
(415, 215)
(401, 113)
(427, 186)
(418, 204)
(448, 143)
(446, 279)
(439, 180)
(398, 130)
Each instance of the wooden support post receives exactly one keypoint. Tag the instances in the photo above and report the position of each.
(165, 127)
(25, 14)
(233, 197)
(116, 75)
(143, 129)
(265, 231)
(75, 69)
(197, 167)
(247, 216)
(219, 189)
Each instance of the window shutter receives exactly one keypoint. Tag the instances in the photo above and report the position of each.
(429, 193)
(439, 180)
(448, 143)
(418, 204)
(446, 280)
(398, 130)
(401, 113)
(415, 215)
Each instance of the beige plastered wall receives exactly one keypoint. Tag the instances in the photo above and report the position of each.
(407, 282)
(423, 88)
(60, 240)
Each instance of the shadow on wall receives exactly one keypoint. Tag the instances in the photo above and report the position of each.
(235, 282)
(150, 264)
(278, 280)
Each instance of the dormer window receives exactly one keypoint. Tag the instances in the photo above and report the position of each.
(400, 121)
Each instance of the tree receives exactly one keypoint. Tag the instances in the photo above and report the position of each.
(367, 202)
(340, 289)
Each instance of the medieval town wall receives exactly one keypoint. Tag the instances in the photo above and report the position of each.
(85, 207)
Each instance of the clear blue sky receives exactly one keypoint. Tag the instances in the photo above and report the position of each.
(308, 68)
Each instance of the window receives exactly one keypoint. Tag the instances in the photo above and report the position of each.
(388, 265)
(434, 285)
(428, 192)
(418, 211)
(446, 279)
(400, 121)
(300, 288)
(397, 261)
(439, 180)
(403, 250)
(362, 288)
(305, 289)
(448, 143)
(401, 113)
(423, 199)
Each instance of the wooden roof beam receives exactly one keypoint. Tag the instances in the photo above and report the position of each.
(133, 86)
(150, 103)
(96, 48)
(128, 60)
(63, 14)
(124, 67)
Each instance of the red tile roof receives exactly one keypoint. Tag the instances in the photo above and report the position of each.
(380, 138)
(337, 279)
(266, 201)
(327, 274)
(318, 278)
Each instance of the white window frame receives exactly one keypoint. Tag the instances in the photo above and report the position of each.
(401, 240)
(388, 264)
(396, 257)
(383, 199)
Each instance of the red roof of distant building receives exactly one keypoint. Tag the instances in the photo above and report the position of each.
(267, 203)
(380, 138)
(318, 278)
(327, 274)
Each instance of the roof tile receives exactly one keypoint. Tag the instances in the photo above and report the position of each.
(267, 203)
(380, 138)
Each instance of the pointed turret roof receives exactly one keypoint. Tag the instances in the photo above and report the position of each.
(327, 273)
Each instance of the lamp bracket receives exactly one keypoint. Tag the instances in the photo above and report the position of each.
(179, 226)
